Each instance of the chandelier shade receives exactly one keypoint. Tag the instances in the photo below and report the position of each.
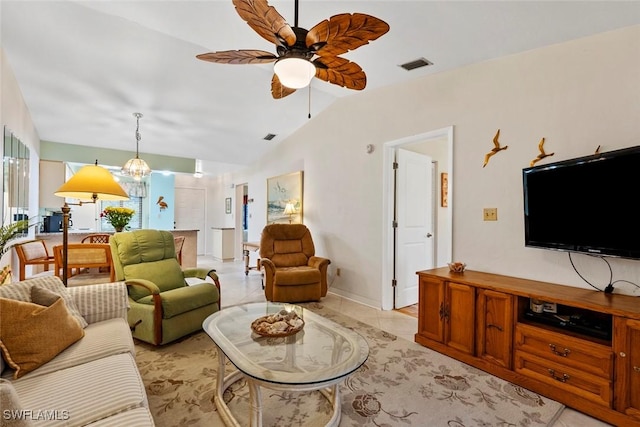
(294, 73)
(136, 168)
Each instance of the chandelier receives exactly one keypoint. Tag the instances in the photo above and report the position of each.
(136, 168)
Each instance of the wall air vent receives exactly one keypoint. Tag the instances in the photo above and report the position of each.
(412, 65)
(269, 137)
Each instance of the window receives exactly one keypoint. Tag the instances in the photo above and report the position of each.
(134, 203)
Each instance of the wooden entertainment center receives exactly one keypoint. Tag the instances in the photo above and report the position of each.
(582, 349)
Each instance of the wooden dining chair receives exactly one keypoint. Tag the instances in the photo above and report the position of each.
(96, 238)
(81, 259)
(33, 252)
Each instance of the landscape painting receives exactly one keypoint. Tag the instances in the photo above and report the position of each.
(281, 190)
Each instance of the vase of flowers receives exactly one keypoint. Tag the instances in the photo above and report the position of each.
(118, 217)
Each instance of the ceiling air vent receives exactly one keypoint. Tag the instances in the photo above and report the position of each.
(412, 65)
(269, 137)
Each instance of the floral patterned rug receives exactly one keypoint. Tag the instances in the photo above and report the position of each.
(401, 384)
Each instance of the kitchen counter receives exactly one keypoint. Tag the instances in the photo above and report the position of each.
(189, 250)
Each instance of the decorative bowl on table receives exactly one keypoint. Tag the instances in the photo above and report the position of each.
(457, 267)
(281, 324)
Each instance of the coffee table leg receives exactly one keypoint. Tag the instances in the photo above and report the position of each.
(255, 396)
(222, 384)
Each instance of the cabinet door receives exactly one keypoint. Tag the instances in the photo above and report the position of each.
(431, 309)
(460, 311)
(626, 343)
(495, 327)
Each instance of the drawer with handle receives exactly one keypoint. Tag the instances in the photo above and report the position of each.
(569, 351)
(572, 380)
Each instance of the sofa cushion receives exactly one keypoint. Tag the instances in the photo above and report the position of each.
(21, 291)
(32, 334)
(101, 302)
(11, 407)
(182, 300)
(101, 339)
(88, 392)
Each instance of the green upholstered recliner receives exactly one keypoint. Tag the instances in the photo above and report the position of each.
(163, 306)
(292, 272)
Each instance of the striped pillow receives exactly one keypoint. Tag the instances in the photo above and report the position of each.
(21, 291)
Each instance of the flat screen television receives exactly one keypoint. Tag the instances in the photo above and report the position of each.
(589, 204)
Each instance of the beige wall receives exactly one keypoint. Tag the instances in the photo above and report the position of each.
(577, 95)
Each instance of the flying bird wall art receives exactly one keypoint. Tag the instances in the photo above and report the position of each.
(542, 154)
(496, 148)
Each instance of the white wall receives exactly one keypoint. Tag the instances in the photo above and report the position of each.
(577, 95)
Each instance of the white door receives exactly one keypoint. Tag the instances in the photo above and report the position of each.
(414, 216)
(190, 213)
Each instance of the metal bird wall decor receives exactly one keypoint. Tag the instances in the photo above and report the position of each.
(496, 148)
(542, 154)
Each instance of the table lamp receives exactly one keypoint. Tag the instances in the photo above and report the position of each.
(91, 182)
(290, 210)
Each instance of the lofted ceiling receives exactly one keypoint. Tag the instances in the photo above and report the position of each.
(84, 67)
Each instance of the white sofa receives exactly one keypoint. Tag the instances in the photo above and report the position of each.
(93, 381)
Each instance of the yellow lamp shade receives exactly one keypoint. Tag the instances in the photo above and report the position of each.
(92, 182)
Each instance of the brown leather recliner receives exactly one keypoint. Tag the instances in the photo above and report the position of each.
(292, 272)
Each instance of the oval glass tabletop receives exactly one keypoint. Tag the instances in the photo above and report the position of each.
(322, 351)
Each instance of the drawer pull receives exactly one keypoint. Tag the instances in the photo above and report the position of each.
(565, 353)
(563, 379)
(494, 326)
(636, 368)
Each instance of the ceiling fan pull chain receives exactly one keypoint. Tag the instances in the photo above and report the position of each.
(309, 101)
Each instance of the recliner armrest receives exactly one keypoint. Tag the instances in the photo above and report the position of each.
(200, 273)
(147, 284)
(318, 262)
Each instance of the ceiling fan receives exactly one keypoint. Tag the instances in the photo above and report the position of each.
(303, 54)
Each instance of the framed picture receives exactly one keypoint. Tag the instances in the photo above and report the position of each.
(227, 205)
(444, 189)
(284, 193)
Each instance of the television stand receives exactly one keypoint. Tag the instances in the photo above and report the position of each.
(584, 351)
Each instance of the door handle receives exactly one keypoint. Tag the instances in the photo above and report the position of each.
(428, 235)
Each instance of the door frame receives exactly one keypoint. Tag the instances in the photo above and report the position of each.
(388, 203)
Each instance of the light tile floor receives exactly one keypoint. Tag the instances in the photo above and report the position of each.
(238, 288)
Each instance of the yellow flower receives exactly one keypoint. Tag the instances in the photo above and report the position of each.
(117, 216)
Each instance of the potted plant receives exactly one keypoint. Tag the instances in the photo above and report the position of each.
(117, 216)
(7, 234)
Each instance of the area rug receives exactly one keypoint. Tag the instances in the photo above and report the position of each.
(401, 384)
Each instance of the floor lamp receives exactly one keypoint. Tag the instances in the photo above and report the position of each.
(91, 182)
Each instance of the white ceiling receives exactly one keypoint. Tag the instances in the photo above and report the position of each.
(84, 67)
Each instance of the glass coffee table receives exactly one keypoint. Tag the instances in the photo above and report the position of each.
(319, 357)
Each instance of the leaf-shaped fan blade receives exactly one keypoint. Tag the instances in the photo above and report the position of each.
(341, 72)
(342, 33)
(278, 90)
(245, 56)
(266, 21)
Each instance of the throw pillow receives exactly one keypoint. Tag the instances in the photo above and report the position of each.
(43, 296)
(32, 334)
(21, 291)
